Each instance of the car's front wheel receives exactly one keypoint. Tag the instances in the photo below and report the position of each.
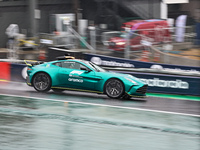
(42, 82)
(114, 88)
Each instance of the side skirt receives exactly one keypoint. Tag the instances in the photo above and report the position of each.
(71, 89)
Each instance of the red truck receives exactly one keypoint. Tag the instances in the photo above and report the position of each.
(153, 31)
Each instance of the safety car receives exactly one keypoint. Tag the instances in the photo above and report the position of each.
(81, 75)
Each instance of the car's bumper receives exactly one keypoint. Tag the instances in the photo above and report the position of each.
(28, 82)
(138, 90)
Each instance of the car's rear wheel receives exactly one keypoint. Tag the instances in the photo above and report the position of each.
(42, 82)
(114, 88)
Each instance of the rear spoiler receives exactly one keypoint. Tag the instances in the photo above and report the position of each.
(32, 62)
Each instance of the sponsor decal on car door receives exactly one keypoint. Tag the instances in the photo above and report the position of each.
(71, 76)
(82, 79)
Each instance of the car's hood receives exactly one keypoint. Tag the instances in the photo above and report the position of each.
(120, 76)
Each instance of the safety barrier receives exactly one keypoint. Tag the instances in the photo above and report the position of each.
(159, 81)
(5, 71)
(120, 62)
(162, 81)
(12, 72)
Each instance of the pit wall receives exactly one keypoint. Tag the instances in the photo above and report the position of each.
(158, 83)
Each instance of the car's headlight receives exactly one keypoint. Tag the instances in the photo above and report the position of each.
(132, 81)
(120, 43)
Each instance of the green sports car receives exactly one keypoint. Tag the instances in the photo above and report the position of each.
(81, 75)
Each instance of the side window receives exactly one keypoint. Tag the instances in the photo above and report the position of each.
(78, 66)
(68, 64)
(83, 67)
(57, 64)
(72, 65)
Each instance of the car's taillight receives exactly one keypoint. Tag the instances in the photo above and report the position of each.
(29, 69)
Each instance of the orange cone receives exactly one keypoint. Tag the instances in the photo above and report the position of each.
(156, 57)
(145, 56)
(42, 55)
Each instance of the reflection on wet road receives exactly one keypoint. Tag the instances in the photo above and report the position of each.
(89, 122)
(37, 124)
(148, 104)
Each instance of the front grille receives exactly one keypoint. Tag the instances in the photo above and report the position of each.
(142, 90)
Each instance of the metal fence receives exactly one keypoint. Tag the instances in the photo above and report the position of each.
(135, 45)
(132, 43)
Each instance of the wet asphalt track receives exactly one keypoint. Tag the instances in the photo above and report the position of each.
(87, 121)
(149, 103)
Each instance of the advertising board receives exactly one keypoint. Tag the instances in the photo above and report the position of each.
(18, 72)
(119, 62)
(164, 83)
(157, 83)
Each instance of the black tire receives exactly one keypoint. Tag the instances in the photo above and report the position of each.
(114, 88)
(58, 90)
(42, 82)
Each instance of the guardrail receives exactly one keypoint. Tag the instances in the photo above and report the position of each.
(165, 43)
(159, 81)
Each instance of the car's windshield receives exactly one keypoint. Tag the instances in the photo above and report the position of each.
(94, 66)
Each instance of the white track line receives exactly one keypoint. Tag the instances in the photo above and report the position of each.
(103, 105)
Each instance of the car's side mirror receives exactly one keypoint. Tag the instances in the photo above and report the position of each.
(85, 69)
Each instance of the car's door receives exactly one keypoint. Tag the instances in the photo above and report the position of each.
(63, 73)
(76, 75)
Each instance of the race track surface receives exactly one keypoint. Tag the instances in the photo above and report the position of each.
(75, 120)
(168, 105)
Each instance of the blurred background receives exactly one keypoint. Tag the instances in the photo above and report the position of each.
(143, 30)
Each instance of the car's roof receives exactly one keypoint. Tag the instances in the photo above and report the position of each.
(77, 60)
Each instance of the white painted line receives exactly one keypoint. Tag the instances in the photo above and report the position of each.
(1, 80)
(103, 105)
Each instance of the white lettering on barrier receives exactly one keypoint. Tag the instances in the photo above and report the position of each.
(98, 61)
(171, 69)
(179, 84)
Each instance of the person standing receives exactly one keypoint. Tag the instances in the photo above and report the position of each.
(12, 32)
